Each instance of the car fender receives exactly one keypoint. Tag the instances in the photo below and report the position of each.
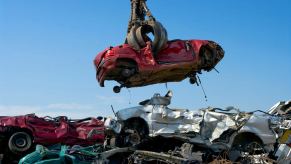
(130, 54)
(255, 132)
(197, 44)
(99, 57)
(259, 125)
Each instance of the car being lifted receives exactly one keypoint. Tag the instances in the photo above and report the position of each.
(178, 60)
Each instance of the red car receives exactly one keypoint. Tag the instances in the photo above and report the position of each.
(178, 60)
(20, 133)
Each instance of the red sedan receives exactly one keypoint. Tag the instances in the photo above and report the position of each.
(20, 133)
(178, 60)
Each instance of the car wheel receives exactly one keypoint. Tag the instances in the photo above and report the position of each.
(252, 152)
(116, 89)
(127, 72)
(127, 68)
(133, 133)
(193, 80)
(19, 142)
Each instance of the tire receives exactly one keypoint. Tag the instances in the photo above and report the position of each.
(127, 73)
(252, 150)
(248, 150)
(192, 80)
(127, 67)
(139, 132)
(116, 89)
(19, 142)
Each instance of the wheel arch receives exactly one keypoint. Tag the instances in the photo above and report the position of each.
(127, 59)
(207, 60)
(140, 121)
(9, 130)
(245, 137)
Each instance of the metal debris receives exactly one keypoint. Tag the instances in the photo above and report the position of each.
(178, 136)
(213, 130)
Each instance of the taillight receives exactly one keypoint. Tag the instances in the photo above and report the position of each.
(289, 144)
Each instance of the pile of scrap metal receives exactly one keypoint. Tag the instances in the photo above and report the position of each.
(210, 132)
(62, 154)
(153, 132)
(283, 149)
(20, 134)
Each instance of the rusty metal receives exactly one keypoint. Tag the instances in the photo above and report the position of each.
(139, 10)
(141, 156)
(139, 27)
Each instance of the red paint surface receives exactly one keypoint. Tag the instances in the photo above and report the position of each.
(176, 57)
(46, 131)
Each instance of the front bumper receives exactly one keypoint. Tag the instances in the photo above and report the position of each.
(103, 69)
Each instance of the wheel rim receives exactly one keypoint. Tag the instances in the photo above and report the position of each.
(126, 72)
(20, 142)
(134, 138)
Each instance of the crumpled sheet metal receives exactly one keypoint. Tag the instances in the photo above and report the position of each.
(214, 124)
(206, 126)
(282, 107)
(47, 130)
(164, 120)
(284, 154)
(210, 124)
(260, 125)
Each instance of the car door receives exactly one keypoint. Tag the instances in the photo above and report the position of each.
(177, 51)
(43, 129)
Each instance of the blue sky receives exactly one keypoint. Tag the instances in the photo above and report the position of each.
(47, 49)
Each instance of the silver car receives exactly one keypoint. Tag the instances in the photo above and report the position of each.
(211, 128)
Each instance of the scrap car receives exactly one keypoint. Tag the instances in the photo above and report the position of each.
(144, 59)
(19, 134)
(179, 60)
(212, 130)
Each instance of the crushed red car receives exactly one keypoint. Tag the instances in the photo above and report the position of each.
(178, 60)
(20, 133)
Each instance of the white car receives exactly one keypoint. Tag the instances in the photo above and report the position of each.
(211, 128)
